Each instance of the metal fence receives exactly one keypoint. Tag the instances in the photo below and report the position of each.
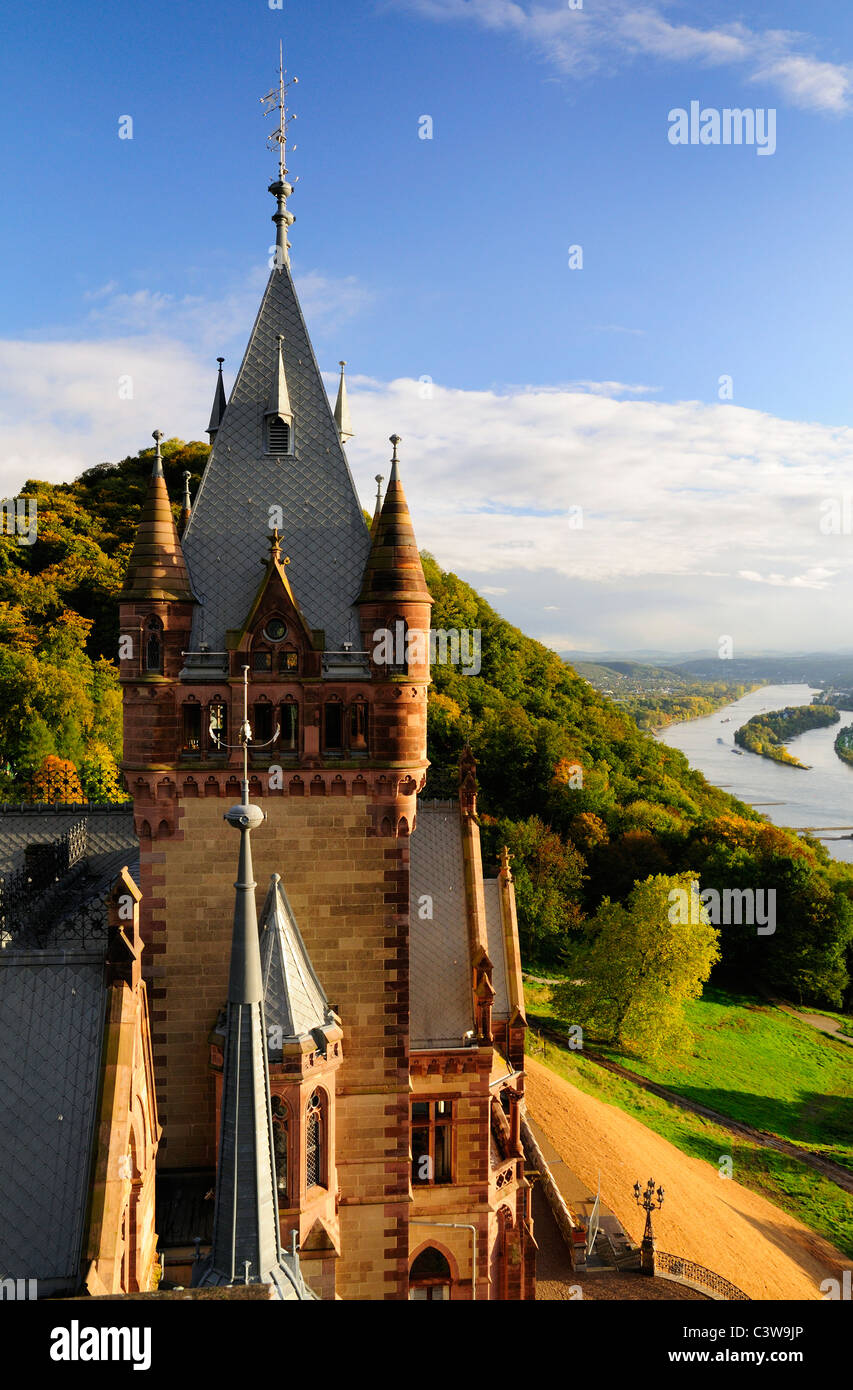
(50, 901)
(686, 1272)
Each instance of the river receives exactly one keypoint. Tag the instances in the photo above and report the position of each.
(820, 799)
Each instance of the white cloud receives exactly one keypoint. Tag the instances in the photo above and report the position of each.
(607, 33)
(694, 516)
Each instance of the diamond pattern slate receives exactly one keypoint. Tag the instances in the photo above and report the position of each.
(441, 1003)
(51, 1029)
(294, 1000)
(324, 533)
(497, 948)
(110, 832)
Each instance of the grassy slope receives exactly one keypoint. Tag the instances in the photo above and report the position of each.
(768, 1064)
(796, 1189)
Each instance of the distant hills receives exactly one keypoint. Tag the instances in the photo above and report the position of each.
(800, 668)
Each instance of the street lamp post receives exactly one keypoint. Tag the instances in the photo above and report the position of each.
(648, 1200)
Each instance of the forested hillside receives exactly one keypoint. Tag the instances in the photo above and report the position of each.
(587, 803)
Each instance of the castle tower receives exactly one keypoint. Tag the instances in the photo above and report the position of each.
(276, 571)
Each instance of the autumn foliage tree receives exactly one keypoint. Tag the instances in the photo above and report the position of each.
(643, 962)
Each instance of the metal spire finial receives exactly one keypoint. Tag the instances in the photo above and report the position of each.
(276, 100)
(395, 440)
(380, 478)
(157, 471)
(187, 476)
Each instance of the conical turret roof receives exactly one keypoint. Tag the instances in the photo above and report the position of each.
(219, 404)
(394, 570)
(156, 569)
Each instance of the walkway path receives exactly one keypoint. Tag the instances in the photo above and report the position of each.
(826, 1025)
(705, 1218)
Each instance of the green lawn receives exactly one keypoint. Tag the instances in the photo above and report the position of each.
(757, 1064)
(812, 1199)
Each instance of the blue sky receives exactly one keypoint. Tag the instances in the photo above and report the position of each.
(448, 258)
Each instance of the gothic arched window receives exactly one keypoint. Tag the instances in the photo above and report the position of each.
(192, 728)
(154, 645)
(217, 728)
(333, 726)
(358, 726)
(399, 630)
(315, 1143)
(289, 727)
(430, 1277)
(280, 1133)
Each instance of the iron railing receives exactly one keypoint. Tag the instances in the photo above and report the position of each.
(687, 1272)
(50, 901)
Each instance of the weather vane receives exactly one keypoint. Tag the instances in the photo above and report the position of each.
(276, 100)
(245, 736)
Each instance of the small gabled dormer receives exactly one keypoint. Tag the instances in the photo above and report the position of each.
(278, 417)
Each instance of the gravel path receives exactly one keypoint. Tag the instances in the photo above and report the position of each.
(714, 1221)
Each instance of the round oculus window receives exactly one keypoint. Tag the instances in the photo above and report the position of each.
(275, 630)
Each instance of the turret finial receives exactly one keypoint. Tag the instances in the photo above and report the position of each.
(186, 505)
(276, 100)
(157, 471)
(342, 415)
(395, 440)
(380, 478)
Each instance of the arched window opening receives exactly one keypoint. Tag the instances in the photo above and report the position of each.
(262, 659)
(315, 1157)
(358, 726)
(289, 742)
(280, 1134)
(217, 729)
(399, 629)
(430, 1278)
(262, 727)
(154, 645)
(289, 660)
(333, 730)
(192, 729)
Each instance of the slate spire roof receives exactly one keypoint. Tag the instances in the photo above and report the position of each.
(295, 1005)
(219, 404)
(228, 534)
(394, 570)
(156, 569)
(246, 1244)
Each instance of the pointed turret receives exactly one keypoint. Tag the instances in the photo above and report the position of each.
(394, 570)
(219, 404)
(156, 569)
(342, 415)
(246, 1244)
(296, 1009)
(278, 414)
